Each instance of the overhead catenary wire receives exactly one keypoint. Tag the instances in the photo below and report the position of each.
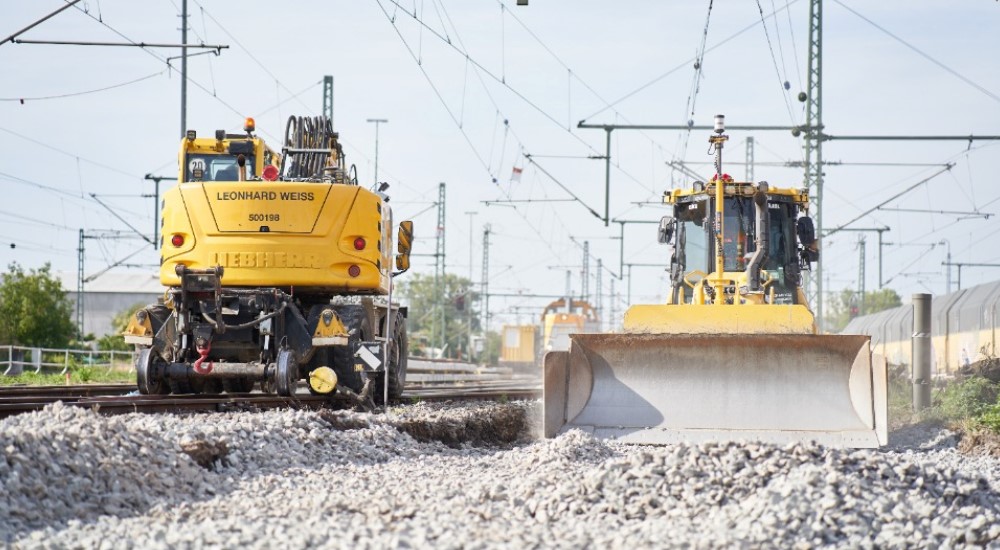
(450, 112)
(571, 74)
(563, 187)
(684, 64)
(477, 69)
(161, 59)
(892, 198)
(921, 53)
(71, 155)
(86, 92)
(481, 68)
(69, 4)
(689, 108)
(774, 61)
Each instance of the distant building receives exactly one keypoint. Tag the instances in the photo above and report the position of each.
(110, 294)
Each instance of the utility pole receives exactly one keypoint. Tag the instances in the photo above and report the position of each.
(613, 309)
(156, 205)
(621, 239)
(964, 264)
(468, 300)
(439, 269)
(861, 275)
(377, 121)
(628, 300)
(750, 158)
(585, 277)
(948, 267)
(328, 100)
(486, 288)
(82, 279)
(881, 244)
(184, 66)
(598, 299)
(79, 286)
(813, 97)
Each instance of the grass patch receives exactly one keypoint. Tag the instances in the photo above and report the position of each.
(77, 375)
(900, 401)
(967, 399)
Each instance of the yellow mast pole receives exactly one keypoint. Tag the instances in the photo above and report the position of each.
(719, 283)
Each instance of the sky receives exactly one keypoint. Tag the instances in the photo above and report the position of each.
(471, 88)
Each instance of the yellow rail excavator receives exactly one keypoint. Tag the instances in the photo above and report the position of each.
(278, 268)
(734, 354)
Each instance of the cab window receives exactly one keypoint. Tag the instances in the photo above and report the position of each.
(217, 168)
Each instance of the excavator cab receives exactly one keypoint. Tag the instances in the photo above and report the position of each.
(692, 249)
(734, 354)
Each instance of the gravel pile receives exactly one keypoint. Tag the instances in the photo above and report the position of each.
(466, 476)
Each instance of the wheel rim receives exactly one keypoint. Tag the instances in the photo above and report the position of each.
(286, 373)
(148, 380)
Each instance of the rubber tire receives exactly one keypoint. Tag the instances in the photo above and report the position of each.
(342, 357)
(399, 348)
(148, 381)
(286, 373)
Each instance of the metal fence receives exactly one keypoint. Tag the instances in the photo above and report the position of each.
(15, 360)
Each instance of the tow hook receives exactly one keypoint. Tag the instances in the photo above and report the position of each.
(200, 366)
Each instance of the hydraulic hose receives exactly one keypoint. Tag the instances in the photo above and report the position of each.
(248, 324)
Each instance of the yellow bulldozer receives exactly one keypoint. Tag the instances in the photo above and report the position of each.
(278, 268)
(734, 354)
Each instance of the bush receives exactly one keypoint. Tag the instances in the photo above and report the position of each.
(990, 418)
(968, 398)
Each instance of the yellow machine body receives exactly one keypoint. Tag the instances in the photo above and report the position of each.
(279, 269)
(734, 353)
(277, 233)
(271, 233)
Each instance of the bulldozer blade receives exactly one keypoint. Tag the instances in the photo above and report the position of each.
(661, 389)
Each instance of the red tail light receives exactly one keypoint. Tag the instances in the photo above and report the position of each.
(354, 271)
(177, 240)
(359, 243)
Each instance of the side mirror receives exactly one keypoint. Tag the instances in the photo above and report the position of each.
(404, 242)
(805, 230)
(666, 231)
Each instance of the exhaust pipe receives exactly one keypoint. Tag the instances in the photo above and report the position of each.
(763, 234)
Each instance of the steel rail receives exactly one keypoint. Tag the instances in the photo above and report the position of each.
(115, 398)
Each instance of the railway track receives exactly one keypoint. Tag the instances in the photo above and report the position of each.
(123, 398)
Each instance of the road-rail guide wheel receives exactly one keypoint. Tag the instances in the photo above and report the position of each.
(148, 377)
(286, 373)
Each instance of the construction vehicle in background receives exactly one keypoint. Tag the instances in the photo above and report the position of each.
(734, 354)
(279, 267)
(567, 316)
(519, 348)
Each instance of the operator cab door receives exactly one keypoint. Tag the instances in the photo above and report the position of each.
(692, 249)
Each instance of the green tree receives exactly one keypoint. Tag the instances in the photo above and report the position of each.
(453, 300)
(34, 309)
(846, 305)
(114, 339)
